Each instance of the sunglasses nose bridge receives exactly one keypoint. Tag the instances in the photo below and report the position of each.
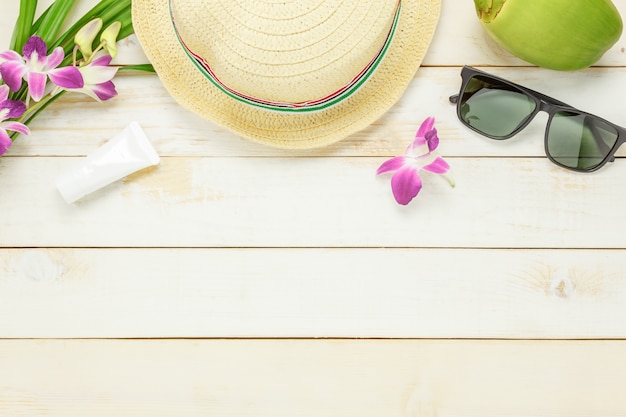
(545, 106)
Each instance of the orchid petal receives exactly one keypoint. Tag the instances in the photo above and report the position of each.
(12, 73)
(97, 74)
(101, 60)
(419, 141)
(17, 127)
(36, 85)
(5, 141)
(406, 184)
(10, 55)
(109, 38)
(438, 166)
(105, 91)
(16, 109)
(85, 36)
(418, 146)
(426, 126)
(67, 77)
(99, 92)
(4, 92)
(432, 139)
(35, 49)
(392, 164)
(55, 58)
(87, 91)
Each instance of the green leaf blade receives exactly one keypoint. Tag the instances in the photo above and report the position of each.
(23, 25)
(51, 22)
(138, 67)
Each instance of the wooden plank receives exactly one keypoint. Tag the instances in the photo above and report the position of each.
(293, 378)
(430, 293)
(177, 132)
(315, 202)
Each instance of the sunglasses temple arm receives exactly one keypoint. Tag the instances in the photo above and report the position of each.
(454, 99)
(545, 98)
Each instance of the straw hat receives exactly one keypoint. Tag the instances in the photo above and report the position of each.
(287, 73)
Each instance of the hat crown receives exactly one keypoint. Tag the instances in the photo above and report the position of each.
(284, 51)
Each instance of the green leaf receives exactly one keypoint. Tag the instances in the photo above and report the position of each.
(23, 25)
(138, 67)
(49, 26)
(40, 19)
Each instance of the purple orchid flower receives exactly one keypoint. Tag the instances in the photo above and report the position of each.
(36, 67)
(97, 76)
(10, 109)
(420, 155)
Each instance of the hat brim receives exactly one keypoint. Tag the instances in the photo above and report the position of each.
(189, 87)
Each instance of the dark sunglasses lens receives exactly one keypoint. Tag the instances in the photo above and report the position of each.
(494, 108)
(579, 141)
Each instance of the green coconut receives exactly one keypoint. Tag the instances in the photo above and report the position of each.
(556, 34)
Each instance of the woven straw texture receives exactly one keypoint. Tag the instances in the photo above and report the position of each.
(285, 51)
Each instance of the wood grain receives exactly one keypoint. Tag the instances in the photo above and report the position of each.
(419, 293)
(291, 378)
(316, 202)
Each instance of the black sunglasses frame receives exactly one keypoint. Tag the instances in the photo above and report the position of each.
(543, 103)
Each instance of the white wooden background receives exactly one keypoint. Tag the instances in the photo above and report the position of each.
(237, 279)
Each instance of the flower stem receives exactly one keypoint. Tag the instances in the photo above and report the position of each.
(33, 110)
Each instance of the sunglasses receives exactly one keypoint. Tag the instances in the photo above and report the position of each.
(499, 109)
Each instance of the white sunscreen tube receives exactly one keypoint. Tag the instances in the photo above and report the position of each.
(128, 152)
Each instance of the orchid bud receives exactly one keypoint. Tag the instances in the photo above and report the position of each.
(85, 36)
(555, 34)
(109, 38)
